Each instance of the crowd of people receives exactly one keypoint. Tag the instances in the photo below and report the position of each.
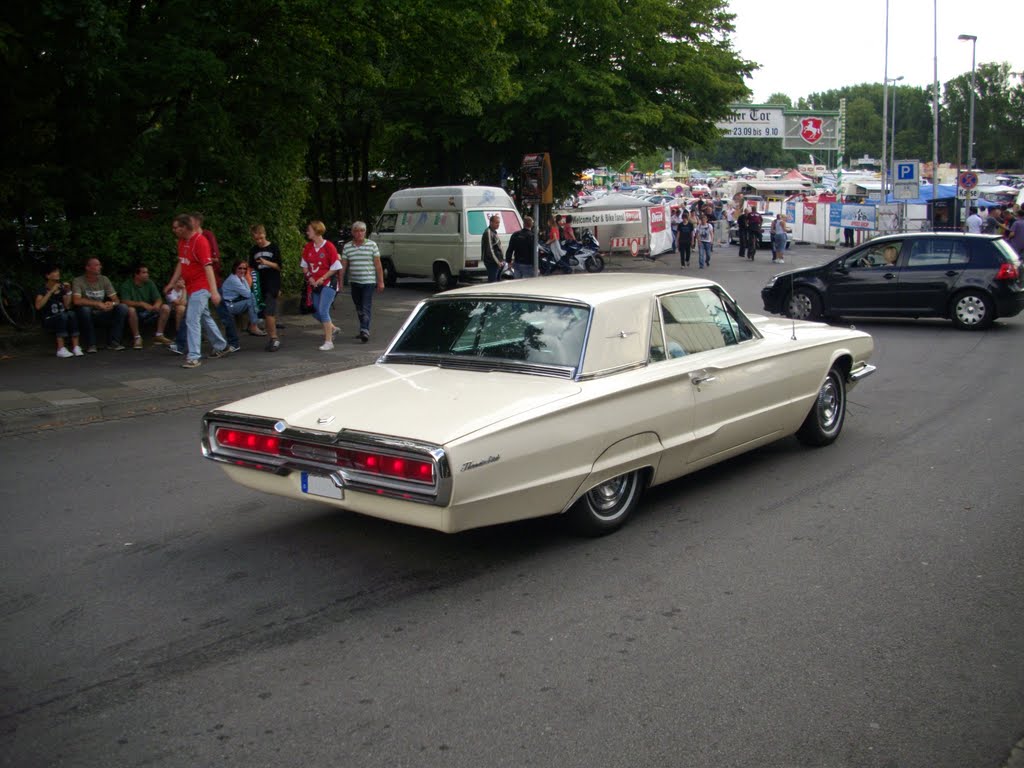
(1007, 222)
(73, 311)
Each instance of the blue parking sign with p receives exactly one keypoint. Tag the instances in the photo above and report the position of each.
(905, 172)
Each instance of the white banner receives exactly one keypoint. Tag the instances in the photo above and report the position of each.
(581, 217)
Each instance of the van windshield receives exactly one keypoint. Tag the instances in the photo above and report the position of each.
(497, 329)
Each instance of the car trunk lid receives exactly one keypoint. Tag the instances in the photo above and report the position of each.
(417, 402)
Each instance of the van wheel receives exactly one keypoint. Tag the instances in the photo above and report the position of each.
(390, 275)
(443, 278)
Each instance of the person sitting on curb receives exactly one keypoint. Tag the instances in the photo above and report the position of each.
(96, 303)
(142, 298)
(236, 298)
(53, 302)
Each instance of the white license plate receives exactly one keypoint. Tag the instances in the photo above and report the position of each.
(318, 485)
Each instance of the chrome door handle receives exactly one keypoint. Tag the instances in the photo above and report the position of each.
(699, 379)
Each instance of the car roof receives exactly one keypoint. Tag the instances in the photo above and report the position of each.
(916, 235)
(595, 289)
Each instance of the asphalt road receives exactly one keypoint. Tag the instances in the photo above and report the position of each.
(857, 605)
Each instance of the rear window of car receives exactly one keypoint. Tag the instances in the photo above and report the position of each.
(1006, 251)
(518, 330)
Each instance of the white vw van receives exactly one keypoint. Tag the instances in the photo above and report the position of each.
(436, 232)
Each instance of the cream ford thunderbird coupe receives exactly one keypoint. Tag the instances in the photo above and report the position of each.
(543, 396)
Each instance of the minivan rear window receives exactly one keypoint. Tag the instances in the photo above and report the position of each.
(478, 221)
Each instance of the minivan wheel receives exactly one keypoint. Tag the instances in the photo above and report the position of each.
(803, 304)
(390, 275)
(443, 279)
(972, 311)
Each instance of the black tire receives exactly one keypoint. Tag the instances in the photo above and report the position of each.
(825, 420)
(594, 264)
(443, 278)
(16, 306)
(390, 275)
(803, 304)
(972, 310)
(605, 507)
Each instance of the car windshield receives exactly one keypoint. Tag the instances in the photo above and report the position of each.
(497, 329)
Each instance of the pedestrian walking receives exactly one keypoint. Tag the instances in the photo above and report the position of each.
(779, 239)
(490, 249)
(705, 241)
(684, 238)
(320, 264)
(195, 265)
(360, 259)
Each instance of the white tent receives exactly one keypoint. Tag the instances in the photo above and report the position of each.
(670, 185)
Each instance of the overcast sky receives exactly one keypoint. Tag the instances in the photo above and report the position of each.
(820, 45)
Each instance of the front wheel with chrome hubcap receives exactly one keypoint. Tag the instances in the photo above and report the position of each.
(825, 420)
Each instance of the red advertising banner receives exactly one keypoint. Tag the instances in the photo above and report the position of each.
(810, 213)
(656, 217)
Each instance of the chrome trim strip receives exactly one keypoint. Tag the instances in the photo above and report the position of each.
(438, 494)
(861, 373)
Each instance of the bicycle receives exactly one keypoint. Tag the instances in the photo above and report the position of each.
(16, 304)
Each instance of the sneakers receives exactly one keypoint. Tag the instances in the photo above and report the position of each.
(64, 352)
(781, 261)
(335, 330)
(91, 349)
(115, 346)
(273, 345)
(137, 343)
(191, 364)
(234, 348)
(174, 348)
(214, 354)
(257, 332)
(77, 351)
(364, 336)
(161, 339)
(327, 346)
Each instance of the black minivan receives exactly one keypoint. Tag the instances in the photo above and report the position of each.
(971, 279)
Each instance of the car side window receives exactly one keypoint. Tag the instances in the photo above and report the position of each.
(874, 256)
(698, 321)
(937, 253)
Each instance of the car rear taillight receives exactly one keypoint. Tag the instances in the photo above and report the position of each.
(249, 441)
(1007, 271)
(370, 462)
(398, 467)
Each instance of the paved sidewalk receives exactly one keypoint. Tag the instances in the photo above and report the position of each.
(38, 390)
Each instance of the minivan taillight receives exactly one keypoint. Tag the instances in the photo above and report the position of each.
(1007, 271)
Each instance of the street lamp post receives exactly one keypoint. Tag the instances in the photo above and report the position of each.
(970, 128)
(892, 142)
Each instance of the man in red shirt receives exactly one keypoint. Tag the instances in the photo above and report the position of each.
(194, 266)
(211, 239)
